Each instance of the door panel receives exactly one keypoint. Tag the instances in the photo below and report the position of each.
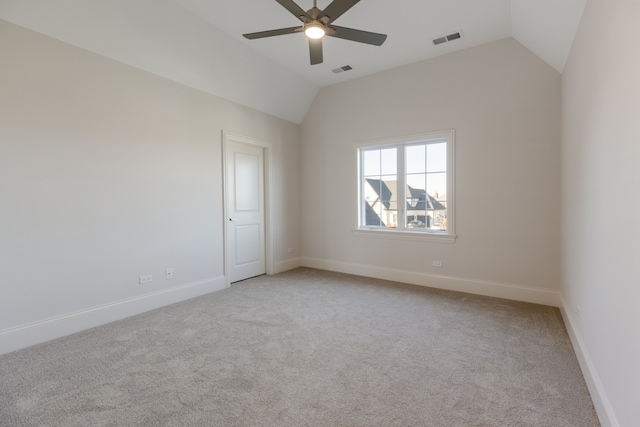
(248, 241)
(246, 191)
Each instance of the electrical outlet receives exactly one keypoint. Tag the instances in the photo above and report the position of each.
(437, 263)
(146, 279)
(577, 312)
(168, 273)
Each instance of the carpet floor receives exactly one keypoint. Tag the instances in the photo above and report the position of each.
(307, 348)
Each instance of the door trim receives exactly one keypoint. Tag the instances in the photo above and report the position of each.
(228, 137)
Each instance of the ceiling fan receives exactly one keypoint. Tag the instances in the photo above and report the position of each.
(316, 24)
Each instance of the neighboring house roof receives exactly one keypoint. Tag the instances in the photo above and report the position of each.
(372, 217)
(385, 194)
(387, 189)
(425, 201)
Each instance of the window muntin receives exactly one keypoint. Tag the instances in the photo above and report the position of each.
(406, 185)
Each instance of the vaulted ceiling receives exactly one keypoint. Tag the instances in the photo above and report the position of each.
(199, 43)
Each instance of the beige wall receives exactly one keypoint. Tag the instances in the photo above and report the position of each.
(108, 173)
(504, 104)
(601, 208)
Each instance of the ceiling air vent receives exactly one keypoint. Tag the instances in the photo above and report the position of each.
(450, 37)
(341, 69)
(440, 40)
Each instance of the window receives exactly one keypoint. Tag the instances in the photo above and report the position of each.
(405, 185)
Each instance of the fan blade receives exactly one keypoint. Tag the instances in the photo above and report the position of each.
(315, 51)
(271, 33)
(358, 35)
(296, 10)
(336, 9)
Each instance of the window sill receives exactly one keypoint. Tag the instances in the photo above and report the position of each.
(379, 233)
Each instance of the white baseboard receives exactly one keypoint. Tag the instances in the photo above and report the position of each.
(600, 400)
(287, 264)
(66, 324)
(478, 287)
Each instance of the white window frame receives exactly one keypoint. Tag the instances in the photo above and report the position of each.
(448, 236)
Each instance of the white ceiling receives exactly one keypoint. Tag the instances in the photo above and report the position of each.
(199, 43)
(411, 25)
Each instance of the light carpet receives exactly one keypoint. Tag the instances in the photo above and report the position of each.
(307, 348)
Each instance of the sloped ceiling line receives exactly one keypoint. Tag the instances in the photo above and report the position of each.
(199, 43)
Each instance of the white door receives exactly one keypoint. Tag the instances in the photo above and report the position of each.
(245, 234)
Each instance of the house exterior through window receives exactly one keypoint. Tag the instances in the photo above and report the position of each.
(406, 185)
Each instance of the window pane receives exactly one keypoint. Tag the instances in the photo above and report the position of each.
(416, 218)
(389, 161)
(437, 190)
(416, 200)
(389, 198)
(371, 165)
(389, 217)
(437, 184)
(417, 181)
(414, 156)
(439, 220)
(380, 206)
(371, 189)
(437, 157)
(389, 189)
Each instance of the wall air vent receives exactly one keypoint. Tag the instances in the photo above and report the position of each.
(342, 69)
(448, 38)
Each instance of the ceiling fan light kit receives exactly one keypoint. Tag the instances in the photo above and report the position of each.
(316, 25)
(314, 30)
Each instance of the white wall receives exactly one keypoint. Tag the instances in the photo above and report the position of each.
(504, 104)
(108, 172)
(601, 208)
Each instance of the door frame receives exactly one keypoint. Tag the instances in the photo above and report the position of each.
(230, 137)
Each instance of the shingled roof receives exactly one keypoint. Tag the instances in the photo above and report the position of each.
(386, 189)
(425, 201)
(372, 217)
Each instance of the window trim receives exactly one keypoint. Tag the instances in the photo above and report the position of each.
(408, 234)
